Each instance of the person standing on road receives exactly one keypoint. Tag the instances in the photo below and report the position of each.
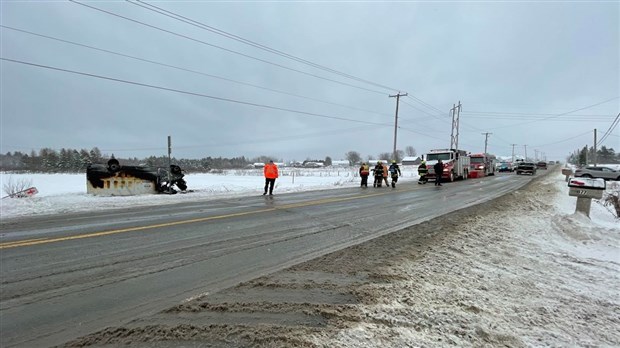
(386, 174)
(271, 174)
(364, 172)
(378, 171)
(394, 172)
(438, 167)
(422, 171)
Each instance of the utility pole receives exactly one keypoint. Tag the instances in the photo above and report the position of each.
(454, 136)
(398, 95)
(513, 152)
(595, 157)
(486, 139)
(525, 149)
(169, 151)
(535, 155)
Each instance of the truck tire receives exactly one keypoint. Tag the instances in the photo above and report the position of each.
(113, 165)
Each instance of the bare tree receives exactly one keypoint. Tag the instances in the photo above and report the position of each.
(400, 154)
(386, 156)
(353, 157)
(410, 151)
(11, 186)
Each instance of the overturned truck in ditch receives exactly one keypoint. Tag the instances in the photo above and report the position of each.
(112, 179)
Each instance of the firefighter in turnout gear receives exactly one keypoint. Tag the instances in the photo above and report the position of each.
(394, 173)
(364, 172)
(379, 173)
(422, 171)
(386, 174)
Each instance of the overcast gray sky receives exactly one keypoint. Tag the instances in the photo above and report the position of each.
(543, 75)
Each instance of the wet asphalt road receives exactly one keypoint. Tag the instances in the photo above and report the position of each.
(70, 275)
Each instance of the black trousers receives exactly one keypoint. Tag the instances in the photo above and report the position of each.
(378, 181)
(437, 179)
(364, 180)
(269, 184)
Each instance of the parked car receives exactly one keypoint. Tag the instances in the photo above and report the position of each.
(598, 172)
(541, 165)
(505, 167)
(526, 168)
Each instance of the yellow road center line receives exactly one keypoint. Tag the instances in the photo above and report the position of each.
(28, 242)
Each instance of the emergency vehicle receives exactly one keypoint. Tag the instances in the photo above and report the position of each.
(481, 165)
(455, 164)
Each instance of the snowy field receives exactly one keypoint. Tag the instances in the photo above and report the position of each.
(59, 193)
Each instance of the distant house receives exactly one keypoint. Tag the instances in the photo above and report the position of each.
(313, 164)
(411, 161)
(341, 163)
(258, 165)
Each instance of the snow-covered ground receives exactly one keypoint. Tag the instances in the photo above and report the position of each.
(60, 193)
(521, 271)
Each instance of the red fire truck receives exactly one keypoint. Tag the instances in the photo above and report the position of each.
(481, 165)
(455, 164)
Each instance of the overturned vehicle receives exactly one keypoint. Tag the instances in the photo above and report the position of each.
(116, 180)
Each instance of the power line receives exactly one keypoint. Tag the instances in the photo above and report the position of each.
(426, 104)
(193, 93)
(520, 113)
(222, 48)
(188, 70)
(562, 114)
(203, 26)
(613, 125)
(563, 140)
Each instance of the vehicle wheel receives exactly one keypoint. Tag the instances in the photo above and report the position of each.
(113, 165)
(587, 176)
(181, 184)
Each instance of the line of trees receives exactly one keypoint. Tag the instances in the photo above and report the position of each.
(74, 161)
(585, 156)
(48, 160)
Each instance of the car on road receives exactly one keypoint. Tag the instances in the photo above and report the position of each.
(526, 168)
(542, 165)
(598, 172)
(505, 167)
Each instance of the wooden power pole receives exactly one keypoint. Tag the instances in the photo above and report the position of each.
(397, 96)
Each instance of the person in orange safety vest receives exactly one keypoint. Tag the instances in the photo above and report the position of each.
(271, 174)
(364, 172)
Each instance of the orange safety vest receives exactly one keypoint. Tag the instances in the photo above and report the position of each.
(271, 171)
(365, 170)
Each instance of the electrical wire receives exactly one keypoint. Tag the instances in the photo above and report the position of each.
(562, 114)
(613, 125)
(192, 93)
(224, 49)
(563, 140)
(223, 33)
(189, 70)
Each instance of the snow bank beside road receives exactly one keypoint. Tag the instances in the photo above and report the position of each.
(524, 274)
